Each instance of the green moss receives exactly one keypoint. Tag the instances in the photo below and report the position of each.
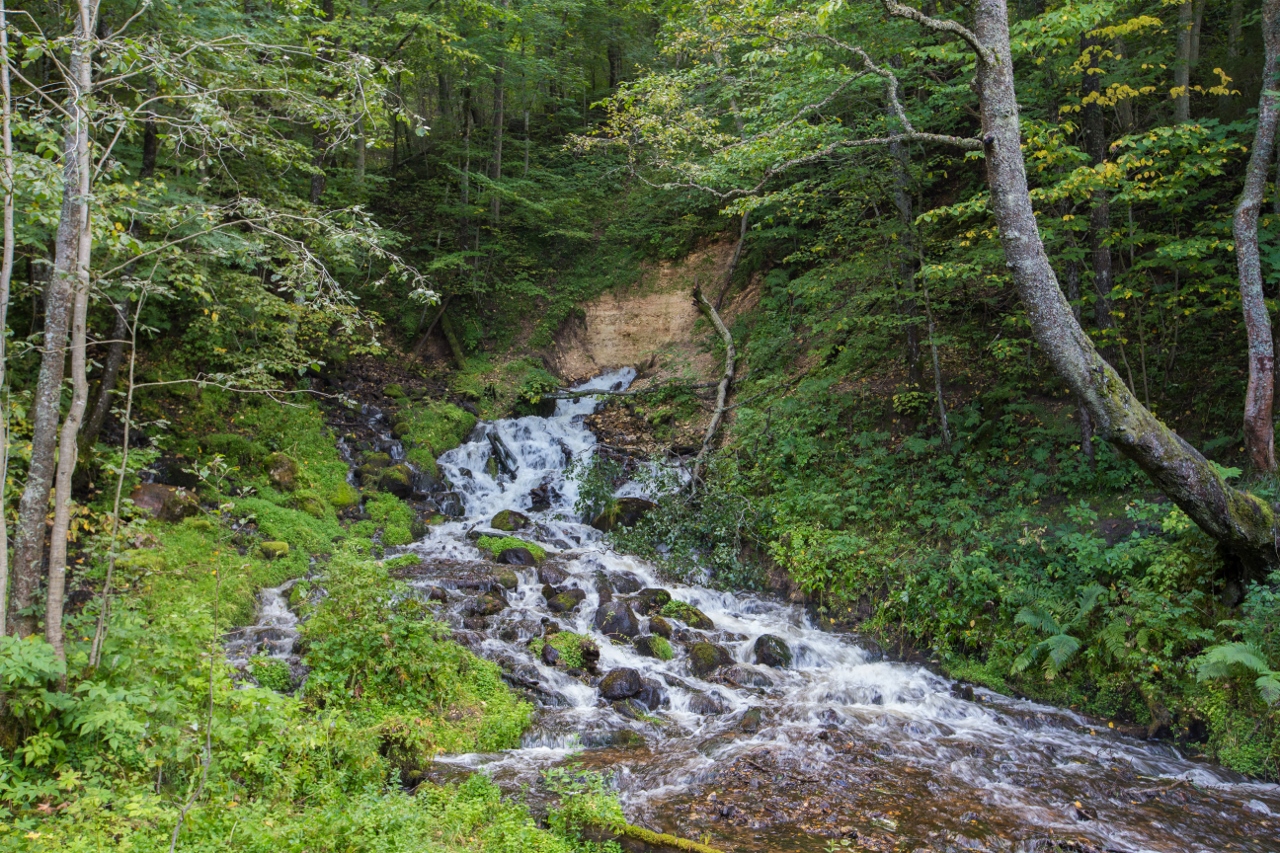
(375, 460)
(394, 390)
(495, 546)
(390, 515)
(274, 550)
(310, 502)
(404, 561)
(567, 643)
(510, 388)
(435, 426)
(424, 459)
(343, 496)
(282, 523)
(661, 647)
(688, 614)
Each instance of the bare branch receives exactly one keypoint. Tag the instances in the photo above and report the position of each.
(901, 10)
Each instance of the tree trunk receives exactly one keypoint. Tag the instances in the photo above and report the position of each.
(1243, 525)
(1259, 429)
(67, 448)
(495, 199)
(33, 508)
(6, 276)
(150, 150)
(1182, 65)
(908, 258)
(110, 374)
(1100, 212)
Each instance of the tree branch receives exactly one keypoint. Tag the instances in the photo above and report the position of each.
(901, 10)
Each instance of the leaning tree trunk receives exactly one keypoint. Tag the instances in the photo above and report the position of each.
(1259, 429)
(1243, 524)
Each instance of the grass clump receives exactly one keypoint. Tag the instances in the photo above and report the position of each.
(511, 388)
(495, 545)
(271, 673)
(375, 652)
(429, 429)
(567, 643)
(392, 516)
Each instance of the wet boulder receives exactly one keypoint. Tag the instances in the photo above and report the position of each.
(166, 503)
(750, 722)
(564, 602)
(543, 496)
(502, 456)
(509, 521)
(282, 471)
(549, 654)
(660, 626)
(590, 654)
(625, 583)
(616, 619)
(708, 704)
(744, 676)
(506, 578)
(623, 512)
(517, 557)
(650, 599)
(437, 593)
(706, 658)
(621, 683)
(552, 575)
(450, 504)
(772, 651)
(652, 695)
(603, 589)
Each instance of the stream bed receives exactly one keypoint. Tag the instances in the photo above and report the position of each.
(792, 742)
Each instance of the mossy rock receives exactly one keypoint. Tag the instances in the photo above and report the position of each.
(236, 449)
(343, 496)
(506, 578)
(565, 602)
(706, 658)
(274, 550)
(312, 504)
(395, 390)
(510, 520)
(654, 646)
(424, 459)
(395, 535)
(398, 480)
(569, 645)
(201, 524)
(660, 626)
(649, 599)
(688, 614)
(142, 560)
(375, 460)
(495, 546)
(282, 471)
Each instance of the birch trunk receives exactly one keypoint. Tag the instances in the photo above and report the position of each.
(6, 275)
(82, 72)
(1259, 428)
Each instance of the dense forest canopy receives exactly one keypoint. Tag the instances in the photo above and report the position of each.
(999, 385)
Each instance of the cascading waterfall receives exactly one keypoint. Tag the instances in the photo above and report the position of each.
(837, 742)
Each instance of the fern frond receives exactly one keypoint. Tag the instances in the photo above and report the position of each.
(1217, 661)
(1061, 648)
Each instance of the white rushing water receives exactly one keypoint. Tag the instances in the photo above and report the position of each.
(839, 743)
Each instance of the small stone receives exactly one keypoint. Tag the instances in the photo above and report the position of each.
(282, 471)
(274, 550)
(707, 704)
(625, 583)
(750, 722)
(506, 578)
(398, 480)
(552, 575)
(549, 654)
(451, 504)
(652, 695)
(772, 651)
(621, 683)
(660, 626)
(517, 557)
(616, 619)
(488, 604)
(509, 520)
(565, 601)
(437, 593)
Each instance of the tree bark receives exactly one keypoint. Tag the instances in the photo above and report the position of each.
(67, 447)
(722, 391)
(499, 119)
(110, 374)
(1259, 427)
(33, 508)
(1100, 212)
(1243, 524)
(6, 276)
(1182, 65)
(908, 258)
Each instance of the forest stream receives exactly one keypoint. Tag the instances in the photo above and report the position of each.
(792, 742)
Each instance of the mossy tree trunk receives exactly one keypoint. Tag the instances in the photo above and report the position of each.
(1243, 524)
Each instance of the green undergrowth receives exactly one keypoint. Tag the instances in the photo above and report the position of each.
(495, 545)
(110, 762)
(428, 429)
(506, 388)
